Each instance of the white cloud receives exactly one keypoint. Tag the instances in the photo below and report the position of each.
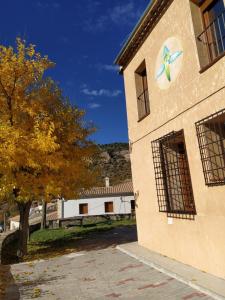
(94, 105)
(106, 67)
(42, 4)
(101, 92)
(122, 14)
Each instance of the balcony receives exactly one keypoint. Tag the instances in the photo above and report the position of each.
(212, 42)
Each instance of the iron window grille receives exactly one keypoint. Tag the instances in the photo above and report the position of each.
(213, 39)
(211, 139)
(172, 175)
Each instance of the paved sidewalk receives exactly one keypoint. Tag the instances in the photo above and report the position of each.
(206, 283)
(100, 274)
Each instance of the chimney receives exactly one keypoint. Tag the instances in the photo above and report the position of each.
(107, 182)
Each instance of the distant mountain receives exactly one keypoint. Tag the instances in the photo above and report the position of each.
(115, 162)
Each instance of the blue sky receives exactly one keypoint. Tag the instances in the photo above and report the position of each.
(83, 38)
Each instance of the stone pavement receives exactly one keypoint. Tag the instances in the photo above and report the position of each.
(99, 274)
(202, 281)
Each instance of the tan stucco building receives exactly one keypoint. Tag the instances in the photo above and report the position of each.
(174, 72)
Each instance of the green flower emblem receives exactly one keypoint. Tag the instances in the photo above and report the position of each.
(168, 59)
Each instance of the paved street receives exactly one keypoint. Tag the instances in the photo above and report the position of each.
(97, 274)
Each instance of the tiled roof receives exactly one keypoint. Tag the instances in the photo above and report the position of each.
(114, 190)
(52, 216)
(15, 219)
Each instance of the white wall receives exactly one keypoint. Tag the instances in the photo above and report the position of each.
(14, 225)
(96, 206)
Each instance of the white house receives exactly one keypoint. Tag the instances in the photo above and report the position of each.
(108, 200)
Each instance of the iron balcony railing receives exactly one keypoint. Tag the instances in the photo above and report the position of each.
(143, 104)
(213, 39)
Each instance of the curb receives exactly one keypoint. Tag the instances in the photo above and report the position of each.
(173, 275)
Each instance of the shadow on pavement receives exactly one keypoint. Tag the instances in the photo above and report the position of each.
(92, 241)
(8, 289)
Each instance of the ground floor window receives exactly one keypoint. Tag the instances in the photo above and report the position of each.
(172, 175)
(83, 208)
(132, 204)
(211, 138)
(108, 207)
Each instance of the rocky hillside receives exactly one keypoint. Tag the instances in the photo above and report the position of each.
(115, 162)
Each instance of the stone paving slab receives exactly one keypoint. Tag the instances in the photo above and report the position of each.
(100, 274)
(206, 283)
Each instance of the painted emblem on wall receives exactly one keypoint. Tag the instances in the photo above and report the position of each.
(169, 62)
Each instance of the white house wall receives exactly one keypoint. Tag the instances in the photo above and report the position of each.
(14, 225)
(96, 206)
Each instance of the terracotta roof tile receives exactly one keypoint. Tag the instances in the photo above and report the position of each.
(52, 216)
(119, 189)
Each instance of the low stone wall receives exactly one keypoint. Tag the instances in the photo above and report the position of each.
(5, 239)
(84, 220)
(8, 238)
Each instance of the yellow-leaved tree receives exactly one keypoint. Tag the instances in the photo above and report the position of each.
(45, 151)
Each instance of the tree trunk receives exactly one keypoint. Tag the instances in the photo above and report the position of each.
(24, 209)
(43, 219)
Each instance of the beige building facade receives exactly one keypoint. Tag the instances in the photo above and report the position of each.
(173, 66)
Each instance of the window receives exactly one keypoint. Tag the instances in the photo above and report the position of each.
(173, 181)
(142, 92)
(83, 208)
(211, 138)
(132, 204)
(209, 22)
(108, 207)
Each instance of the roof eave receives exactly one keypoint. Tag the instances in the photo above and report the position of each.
(148, 21)
(126, 44)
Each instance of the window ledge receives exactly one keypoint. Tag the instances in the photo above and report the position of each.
(142, 118)
(203, 69)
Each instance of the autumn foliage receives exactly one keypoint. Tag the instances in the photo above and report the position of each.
(45, 150)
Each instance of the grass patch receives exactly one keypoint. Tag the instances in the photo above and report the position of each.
(52, 242)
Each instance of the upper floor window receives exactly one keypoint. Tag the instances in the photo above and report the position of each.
(211, 137)
(142, 92)
(209, 23)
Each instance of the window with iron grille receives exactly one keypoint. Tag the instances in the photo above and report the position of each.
(209, 25)
(211, 138)
(172, 175)
(142, 92)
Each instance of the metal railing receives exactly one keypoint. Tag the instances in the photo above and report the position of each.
(213, 39)
(172, 174)
(143, 104)
(211, 139)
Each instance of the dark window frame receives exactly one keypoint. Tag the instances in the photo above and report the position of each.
(211, 139)
(142, 91)
(212, 36)
(133, 205)
(107, 209)
(172, 175)
(82, 207)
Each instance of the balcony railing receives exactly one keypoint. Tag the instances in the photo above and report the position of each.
(213, 41)
(143, 105)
